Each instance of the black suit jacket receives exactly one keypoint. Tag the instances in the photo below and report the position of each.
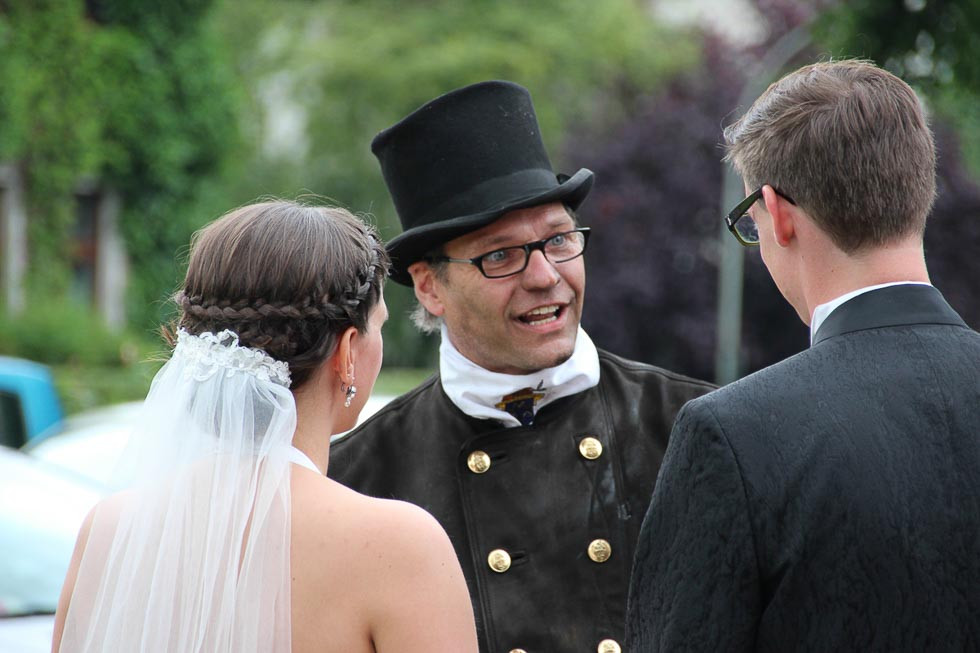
(541, 499)
(830, 502)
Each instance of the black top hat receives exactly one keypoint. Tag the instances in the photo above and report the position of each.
(461, 161)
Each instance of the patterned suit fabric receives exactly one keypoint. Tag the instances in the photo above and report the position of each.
(830, 502)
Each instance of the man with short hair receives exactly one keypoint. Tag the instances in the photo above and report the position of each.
(535, 451)
(830, 502)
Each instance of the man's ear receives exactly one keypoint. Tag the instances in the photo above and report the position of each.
(428, 288)
(343, 360)
(783, 215)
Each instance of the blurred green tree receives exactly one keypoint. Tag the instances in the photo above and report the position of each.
(932, 44)
(135, 95)
(345, 70)
(669, 158)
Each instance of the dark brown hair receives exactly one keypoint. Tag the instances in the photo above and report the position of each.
(849, 143)
(287, 278)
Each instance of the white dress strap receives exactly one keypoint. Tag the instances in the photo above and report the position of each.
(298, 457)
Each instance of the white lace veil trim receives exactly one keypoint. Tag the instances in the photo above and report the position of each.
(194, 555)
(209, 354)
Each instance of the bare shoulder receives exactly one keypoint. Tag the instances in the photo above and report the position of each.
(398, 522)
(395, 563)
(416, 594)
(103, 518)
(326, 504)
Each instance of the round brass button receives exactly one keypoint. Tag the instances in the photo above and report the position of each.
(499, 560)
(599, 551)
(478, 462)
(590, 448)
(517, 650)
(609, 646)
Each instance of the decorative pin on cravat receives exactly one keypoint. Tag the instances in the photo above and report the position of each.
(520, 404)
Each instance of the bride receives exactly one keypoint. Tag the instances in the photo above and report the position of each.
(229, 536)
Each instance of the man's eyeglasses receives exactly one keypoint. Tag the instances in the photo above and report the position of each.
(508, 261)
(741, 224)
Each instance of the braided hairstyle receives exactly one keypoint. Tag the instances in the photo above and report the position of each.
(288, 278)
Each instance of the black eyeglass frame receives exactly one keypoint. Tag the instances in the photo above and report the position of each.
(528, 248)
(743, 207)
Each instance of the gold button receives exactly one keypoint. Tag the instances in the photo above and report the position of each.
(478, 462)
(499, 560)
(609, 646)
(599, 551)
(590, 448)
(517, 650)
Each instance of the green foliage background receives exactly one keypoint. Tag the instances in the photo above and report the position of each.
(178, 105)
(355, 68)
(134, 96)
(138, 97)
(933, 45)
(169, 103)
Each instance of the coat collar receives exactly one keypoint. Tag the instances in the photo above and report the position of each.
(892, 306)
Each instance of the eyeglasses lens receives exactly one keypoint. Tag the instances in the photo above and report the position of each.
(511, 260)
(503, 262)
(564, 246)
(747, 229)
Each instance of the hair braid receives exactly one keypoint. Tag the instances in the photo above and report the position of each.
(328, 276)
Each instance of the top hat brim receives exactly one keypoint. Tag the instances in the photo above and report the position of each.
(412, 245)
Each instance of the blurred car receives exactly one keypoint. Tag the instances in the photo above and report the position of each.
(29, 405)
(90, 443)
(41, 510)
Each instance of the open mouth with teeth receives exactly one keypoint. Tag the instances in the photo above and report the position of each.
(542, 315)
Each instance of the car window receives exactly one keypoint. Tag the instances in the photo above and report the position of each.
(12, 427)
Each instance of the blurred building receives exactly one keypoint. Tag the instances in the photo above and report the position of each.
(13, 239)
(98, 257)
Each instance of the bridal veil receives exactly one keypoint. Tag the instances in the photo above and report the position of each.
(194, 554)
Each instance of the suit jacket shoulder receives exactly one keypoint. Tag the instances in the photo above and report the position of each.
(647, 371)
(846, 481)
(659, 389)
(540, 494)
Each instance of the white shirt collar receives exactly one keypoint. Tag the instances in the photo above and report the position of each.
(823, 311)
(477, 391)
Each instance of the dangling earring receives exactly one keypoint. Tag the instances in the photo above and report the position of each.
(350, 390)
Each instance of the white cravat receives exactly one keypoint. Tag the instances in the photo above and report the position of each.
(477, 391)
(823, 311)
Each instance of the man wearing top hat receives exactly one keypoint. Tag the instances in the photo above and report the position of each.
(536, 451)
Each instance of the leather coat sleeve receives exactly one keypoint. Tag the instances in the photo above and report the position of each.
(695, 582)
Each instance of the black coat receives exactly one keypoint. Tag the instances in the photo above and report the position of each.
(541, 500)
(830, 502)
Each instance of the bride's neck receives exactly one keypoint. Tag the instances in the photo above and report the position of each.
(316, 416)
